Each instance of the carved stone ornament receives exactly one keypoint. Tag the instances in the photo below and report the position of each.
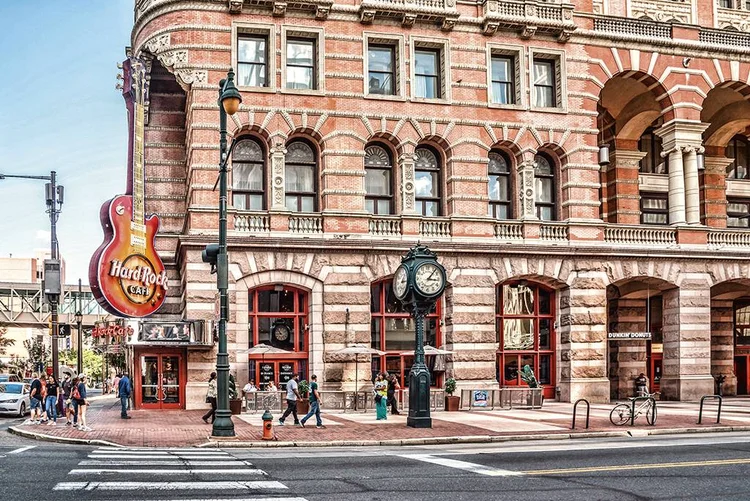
(528, 31)
(449, 23)
(189, 77)
(235, 6)
(321, 13)
(158, 44)
(564, 35)
(367, 16)
(409, 20)
(279, 8)
(490, 27)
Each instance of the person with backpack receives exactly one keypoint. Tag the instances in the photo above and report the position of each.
(123, 392)
(391, 394)
(79, 395)
(66, 403)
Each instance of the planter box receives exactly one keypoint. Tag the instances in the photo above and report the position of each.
(303, 407)
(235, 406)
(452, 403)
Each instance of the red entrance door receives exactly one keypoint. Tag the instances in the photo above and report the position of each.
(741, 370)
(654, 374)
(161, 382)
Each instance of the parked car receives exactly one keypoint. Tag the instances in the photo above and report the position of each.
(14, 398)
(9, 378)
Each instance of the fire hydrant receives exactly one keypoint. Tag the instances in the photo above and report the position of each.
(268, 426)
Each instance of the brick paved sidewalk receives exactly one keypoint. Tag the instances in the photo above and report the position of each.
(185, 428)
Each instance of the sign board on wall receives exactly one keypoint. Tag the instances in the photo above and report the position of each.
(628, 335)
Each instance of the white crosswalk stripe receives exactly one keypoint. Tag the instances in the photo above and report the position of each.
(215, 474)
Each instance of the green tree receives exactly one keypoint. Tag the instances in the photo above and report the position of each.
(38, 354)
(5, 343)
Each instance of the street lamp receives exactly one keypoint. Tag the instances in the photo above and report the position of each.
(79, 321)
(53, 286)
(229, 103)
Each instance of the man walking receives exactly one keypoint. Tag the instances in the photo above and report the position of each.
(292, 394)
(35, 399)
(314, 404)
(123, 392)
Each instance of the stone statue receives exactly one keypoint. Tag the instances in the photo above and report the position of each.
(527, 375)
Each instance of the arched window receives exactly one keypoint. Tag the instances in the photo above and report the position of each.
(738, 150)
(248, 175)
(544, 179)
(277, 316)
(301, 176)
(378, 180)
(392, 331)
(499, 187)
(427, 178)
(651, 145)
(525, 323)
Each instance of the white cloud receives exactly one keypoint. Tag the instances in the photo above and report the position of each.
(43, 235)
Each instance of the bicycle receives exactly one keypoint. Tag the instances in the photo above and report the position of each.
(623, 413)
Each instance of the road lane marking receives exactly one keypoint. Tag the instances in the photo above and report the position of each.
(594, 469)
(246, 499)
(168, 486)
(462, 465)
(188, 462)
(164, 453)
(238, 471)
(146, 456)
(22, 449)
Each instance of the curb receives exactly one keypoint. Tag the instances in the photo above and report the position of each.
(406, 442)
(62, 440)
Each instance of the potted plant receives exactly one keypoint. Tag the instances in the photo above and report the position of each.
(303, 405)
(235, 403)
(451, 403)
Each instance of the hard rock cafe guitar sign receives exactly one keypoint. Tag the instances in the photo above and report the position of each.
(126, 274)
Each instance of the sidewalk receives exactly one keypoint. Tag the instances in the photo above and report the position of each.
(153, 428)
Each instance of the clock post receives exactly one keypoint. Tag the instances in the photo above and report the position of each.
(418, 283)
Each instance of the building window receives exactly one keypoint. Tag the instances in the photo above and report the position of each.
(503, 80)
(738, 213)
(738, 150)
(651, 145)
(427, 181)
(252, 61)
(392, 331)
(378, 180)
(278, 316)
(248, 179)
(654, 208)
(545, 88)
(427, 73)
(381, 62)
(726, 4)
(301, 172)
(544, 182)
(499, 187)
(525, 332)
(301, 55)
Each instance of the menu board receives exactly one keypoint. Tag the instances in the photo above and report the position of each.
(266, 373)
(286, 372)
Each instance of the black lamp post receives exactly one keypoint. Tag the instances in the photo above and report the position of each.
(229, 103)
(52, 277)
(79, 322)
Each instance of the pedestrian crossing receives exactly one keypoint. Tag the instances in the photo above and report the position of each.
(147, 473)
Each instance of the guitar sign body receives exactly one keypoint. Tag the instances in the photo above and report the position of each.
(126, 274)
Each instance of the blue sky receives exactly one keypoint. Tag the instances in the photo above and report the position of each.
(59, 110)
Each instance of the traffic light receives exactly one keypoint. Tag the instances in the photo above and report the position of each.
(210, 255)
(63, 330)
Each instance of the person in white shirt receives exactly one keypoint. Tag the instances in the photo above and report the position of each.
(249, 388)
(292, 394)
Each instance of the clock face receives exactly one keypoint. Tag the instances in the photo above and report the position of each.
(399, 282)
(429, 279)
(281, 332)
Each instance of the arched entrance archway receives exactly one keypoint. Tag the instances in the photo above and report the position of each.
(730, 335)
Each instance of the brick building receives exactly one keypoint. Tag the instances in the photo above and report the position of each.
(474, 126)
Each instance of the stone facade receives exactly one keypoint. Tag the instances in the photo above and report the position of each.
(614, 79)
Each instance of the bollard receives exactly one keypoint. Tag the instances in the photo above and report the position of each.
(268, 426)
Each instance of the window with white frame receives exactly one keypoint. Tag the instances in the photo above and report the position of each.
(252, 60)
(300, 63)
(499, 185)
(548, 87)
(300, 177)
(378, 180)
(427, 182)
(381, 69)
(430, 69)
(738, 213)
(654, 208)
(544, 181)
(503, 79)
(248, 175)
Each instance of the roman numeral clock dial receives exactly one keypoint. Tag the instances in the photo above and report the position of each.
(429, 279)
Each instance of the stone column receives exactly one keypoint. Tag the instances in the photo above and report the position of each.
(583, 339)
(687, 340)
(715, 188)
(692, 189)
(623, 199)
(406, 166)
(278, 190)
(676, 186)
(527, 207)
(722, 343)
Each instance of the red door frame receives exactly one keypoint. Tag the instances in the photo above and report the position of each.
(655, 360)
(137, 375)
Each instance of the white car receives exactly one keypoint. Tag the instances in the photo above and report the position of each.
(14, 398)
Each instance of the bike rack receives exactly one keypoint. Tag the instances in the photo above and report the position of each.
(588, 411)
(718, 413)
(632, 407)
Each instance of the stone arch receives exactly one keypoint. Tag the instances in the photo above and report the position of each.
(725, 298)
(727, 111)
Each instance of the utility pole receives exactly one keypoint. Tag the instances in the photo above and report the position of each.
(79, 321)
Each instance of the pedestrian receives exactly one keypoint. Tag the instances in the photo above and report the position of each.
(641, 385)
(123, 390)
(35, 399)
(249, 388)
(43, 381)
(66, 405)
(381, 394)
(392, 387)
(79, 394)
(211, 399)
(292, 394)
(314, 404)
(50, 403)
(116, 385)
(73, 403)
(272, 387)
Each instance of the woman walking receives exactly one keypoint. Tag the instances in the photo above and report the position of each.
(381, 393)
(79, 394)
(211, 399)
(50, 403)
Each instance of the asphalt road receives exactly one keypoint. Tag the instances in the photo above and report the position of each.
(695, 467)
